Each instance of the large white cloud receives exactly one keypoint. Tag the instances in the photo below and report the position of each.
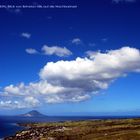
(76, 80)
(100, 66)
(94, 73)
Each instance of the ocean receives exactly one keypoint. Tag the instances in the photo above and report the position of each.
(9, 125)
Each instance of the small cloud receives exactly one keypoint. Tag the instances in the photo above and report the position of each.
(26, 35)
(118, 1)
(56, 50)
(53, 50)
(76, 41)
(31, 51)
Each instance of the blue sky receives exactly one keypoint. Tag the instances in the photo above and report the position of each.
(78, 61)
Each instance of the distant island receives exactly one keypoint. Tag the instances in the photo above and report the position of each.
(33, 113)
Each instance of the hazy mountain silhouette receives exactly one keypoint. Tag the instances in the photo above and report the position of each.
(33, 113)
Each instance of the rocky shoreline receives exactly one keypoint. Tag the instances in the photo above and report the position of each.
(35, 133)
(122, 129)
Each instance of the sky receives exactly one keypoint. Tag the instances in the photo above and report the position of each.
(83, 60)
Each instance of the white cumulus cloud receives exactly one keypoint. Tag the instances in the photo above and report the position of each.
(31, 51)
(27, 102)
(76, 41)
(26, 35)
(56, 50)
(74, 81)
(90, 75)
(31, 101)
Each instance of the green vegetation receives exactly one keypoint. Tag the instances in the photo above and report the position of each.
(119, 129)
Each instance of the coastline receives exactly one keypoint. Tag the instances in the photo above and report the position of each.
(10, 129)
(123, 129)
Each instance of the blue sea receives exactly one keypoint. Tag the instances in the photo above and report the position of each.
(9, 125)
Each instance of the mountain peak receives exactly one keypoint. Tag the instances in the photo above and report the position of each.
(33, 113)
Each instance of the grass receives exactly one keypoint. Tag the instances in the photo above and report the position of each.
(119, 129)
